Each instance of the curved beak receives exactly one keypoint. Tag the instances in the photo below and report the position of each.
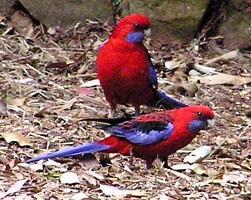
(147, 32)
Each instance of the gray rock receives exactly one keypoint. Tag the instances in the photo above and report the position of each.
(236, 29)
(66, 13)
(172, 20)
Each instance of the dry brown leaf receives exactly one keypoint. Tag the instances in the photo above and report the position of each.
(245, 153)
(198, 154)
(163, 197)
(16, 137)
(89, 179)
(179, 76)
(96, 175)
(181, 167)
(226, 56)
(79, 196)
(69, 178)
(47, 124)
(170, 65)
(180, 175)
(204, 69)
(24, 81)
(14, 188)
(67, 105)
(37, 166)
(232, 140)
(234, 176)
(85, 91)
(113, 191)
(52, 186)
(187, 89)
(3, 108)
(52, 163)
(221, 79)
(16, 102)
(42, 111)
(91, 83)
(12, 163)
(199, 169)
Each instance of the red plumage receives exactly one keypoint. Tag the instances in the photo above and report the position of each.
(123, 65)
(179, 138)
(149, 136)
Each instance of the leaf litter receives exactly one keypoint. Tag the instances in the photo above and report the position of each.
(49, 84)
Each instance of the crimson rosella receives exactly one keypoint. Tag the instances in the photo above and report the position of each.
(125, 70)
(147, 136)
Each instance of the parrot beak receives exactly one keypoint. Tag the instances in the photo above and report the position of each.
(211, 122)
(147, 32)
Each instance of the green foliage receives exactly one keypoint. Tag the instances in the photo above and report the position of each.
(116, 2)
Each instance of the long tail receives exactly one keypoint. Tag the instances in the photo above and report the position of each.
(160, 99)
(78, 150)
(109, 121)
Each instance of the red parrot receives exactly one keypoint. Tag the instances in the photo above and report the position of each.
(148, 136)
(125, 70)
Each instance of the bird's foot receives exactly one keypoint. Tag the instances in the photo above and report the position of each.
(137, 110)
(131, 159)
(165, 163)
(104, 159)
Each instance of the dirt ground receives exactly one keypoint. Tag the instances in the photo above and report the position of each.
(48, 85)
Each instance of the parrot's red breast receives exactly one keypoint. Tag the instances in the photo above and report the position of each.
(123, 66)
(125, 69)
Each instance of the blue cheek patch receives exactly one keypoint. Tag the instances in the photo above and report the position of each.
(196, 125)
(135, 37)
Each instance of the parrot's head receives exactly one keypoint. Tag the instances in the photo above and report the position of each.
(132, 28)
(198, 117)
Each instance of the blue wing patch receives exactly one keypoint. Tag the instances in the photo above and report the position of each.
(152, 76)
(144, 133)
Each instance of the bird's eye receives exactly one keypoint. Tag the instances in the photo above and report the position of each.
(200, 114)
(136, 26)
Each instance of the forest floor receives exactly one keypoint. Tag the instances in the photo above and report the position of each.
(48, 85)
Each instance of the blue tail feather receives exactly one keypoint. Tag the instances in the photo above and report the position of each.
(78, 150)
(162, 100)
